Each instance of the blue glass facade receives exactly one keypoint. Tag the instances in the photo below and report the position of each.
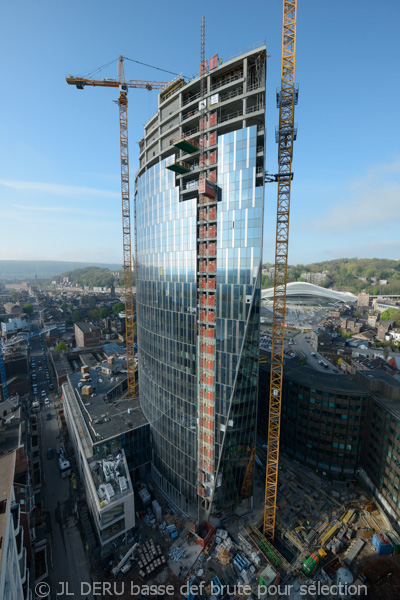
(167, 319)
(166, 309)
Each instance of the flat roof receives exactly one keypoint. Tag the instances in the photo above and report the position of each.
(391, 405)
(10, 430)
(86, 327)
(111, 348)
(88, 359)
(330, 382)
(7, 467)
(61, 363)
(106, 418)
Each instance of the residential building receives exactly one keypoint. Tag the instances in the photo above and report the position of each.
(395, 334)
(12, 309)
(16, 370)
(315, 278)
(381, 305)
(20, 479)
(199, 216)
(86, 334)
(363, 299)
(12, 552)
(13, 325)
(383, 328)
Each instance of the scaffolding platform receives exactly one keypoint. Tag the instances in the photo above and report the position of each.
(179, 167)
(185, 144)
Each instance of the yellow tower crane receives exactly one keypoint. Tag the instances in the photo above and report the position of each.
(123, 86)
(285, 135)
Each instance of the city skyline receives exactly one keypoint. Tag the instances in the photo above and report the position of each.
(59, 179)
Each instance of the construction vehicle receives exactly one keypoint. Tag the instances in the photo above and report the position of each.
(125, 563)
(123, 86)
(285, 136)
(310, 564)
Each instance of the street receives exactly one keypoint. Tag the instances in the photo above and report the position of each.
(68, 559)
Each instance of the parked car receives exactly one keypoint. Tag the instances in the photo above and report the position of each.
(43, 393)
(50, 453)
(46, 401)
(48, 416)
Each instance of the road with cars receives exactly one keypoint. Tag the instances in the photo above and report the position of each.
(39, 372)
(67, 558)
(299, 344)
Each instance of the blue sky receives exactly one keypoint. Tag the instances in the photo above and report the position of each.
(59, 148)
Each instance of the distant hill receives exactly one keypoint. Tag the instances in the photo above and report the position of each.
(44, 269)
(91, 277)
(351, 274)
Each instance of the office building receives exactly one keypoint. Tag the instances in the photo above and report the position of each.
(111, 441)
(347, 425)
(199, 216)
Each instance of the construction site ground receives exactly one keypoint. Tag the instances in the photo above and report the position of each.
(309, 505)
(310, 502)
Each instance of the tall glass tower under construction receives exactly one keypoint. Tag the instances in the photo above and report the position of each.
(199, 216)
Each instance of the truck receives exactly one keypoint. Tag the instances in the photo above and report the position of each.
(63, 463)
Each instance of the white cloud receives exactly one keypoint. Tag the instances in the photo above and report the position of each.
(367, 202)
(373, 249)
(57, 189)
(68, 209)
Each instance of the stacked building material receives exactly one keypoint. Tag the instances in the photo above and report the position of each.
(177, 554)
(144, 495)
(157, 510)
(150, 558)
(354, 548)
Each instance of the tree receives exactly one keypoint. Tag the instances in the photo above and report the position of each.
(117, 308)
(61, 346)
(104, 313)
(76, 316)
(265, 281)
(94, 314)
(28, 308)
(391, 314)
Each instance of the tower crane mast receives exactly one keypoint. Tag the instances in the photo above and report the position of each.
(285, 136)
(122, 102)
